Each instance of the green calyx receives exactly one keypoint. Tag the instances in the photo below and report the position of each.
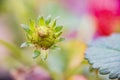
(42, 34)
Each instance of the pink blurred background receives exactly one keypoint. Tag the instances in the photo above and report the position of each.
(83, 20)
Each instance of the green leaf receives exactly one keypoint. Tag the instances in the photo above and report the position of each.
(26, 28)
(48, 20)
(58, 34)
(54, 47)
(58, 28)
(26, 44)
(104, 55)
(41, 21)
(53, 23)
(28, 36)
(61, 39)
(36, 54)
(32, 25)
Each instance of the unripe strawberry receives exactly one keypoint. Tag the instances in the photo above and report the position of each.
(42, 34)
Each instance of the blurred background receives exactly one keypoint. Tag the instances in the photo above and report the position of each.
(83, 20)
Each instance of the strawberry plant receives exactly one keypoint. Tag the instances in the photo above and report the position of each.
(42, 35)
